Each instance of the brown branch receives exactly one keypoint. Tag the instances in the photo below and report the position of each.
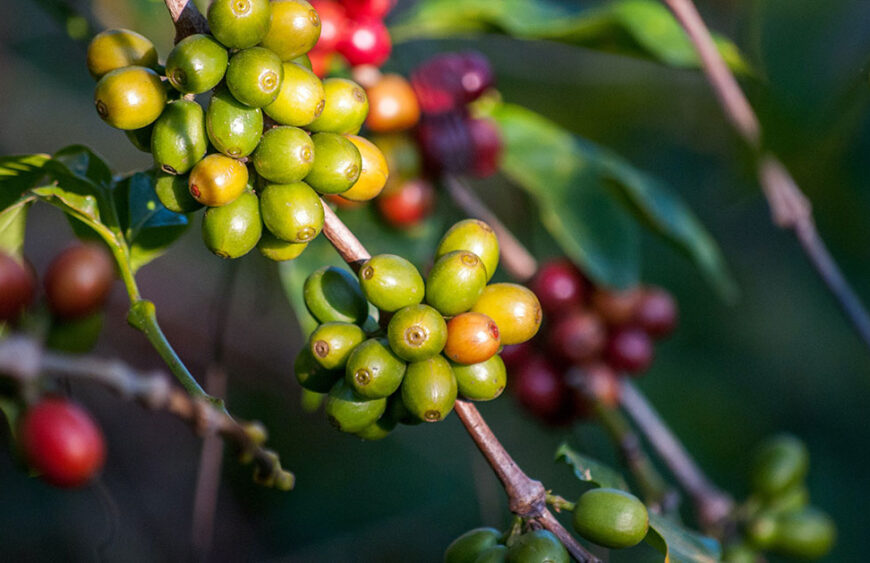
(186, 17)
(22, 359)
(790, 208)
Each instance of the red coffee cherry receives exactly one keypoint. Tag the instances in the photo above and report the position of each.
(594, 382)
(476, 76)
(616, 307)
(359, 9)
(17, 286)
(78, 280)
(445, 143)
(62, 441)
(366, 42)
(516, 355)
(630, 349)
(578, 337)
(657, 312)
(485, 146)
(560, 287)
(408, 205)
(438, 84)
(332, 21)
(539, 387)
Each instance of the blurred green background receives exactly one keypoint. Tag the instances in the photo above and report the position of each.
(782, 358)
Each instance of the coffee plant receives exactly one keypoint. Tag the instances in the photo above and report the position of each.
(272, 122)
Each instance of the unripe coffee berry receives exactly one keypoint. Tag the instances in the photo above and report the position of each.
(118, 48)
(482, 381)
(332, 343)
(611, 517)
(178, 138)
(455, 282)
(78, 280)
(337, 166)
(390, 282)
(284, 155)
(217, 180)
(254, 76)
(514, 308)
(130, 98)
(417, 332)
(374, 370)
(471, 338)
(234, 229)
(239, 24)
(349, 412)
(294, 28)
(233, 128)
(196, 64)
(805, 534)
(279, 250)
(300, 99)
(373, 171)
(313, 376)
(466, 547)
(292, 212)
(429, 389)
(334, 294)
(539, 545)
(345, 108)
(780, 463)
(474, 236)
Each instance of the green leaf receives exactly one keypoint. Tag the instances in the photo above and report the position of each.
(640, 28)
(18, 174)
(679, 544)
(78, 170)
(81, 207)
(573, 198)
(589, 470)
(13, 220)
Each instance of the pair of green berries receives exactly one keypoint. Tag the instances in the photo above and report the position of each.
(485, 545)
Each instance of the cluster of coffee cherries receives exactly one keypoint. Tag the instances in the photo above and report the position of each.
(355, 30)
(272, 137)
(411, 365)
(777, 517)
(488, 545)
(592, 335)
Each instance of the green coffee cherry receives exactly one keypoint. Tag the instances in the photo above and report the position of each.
(495, 554)
(300, 99)
(807, 534)
(333, 295)
(390, 282)
(469, 545)
(337, 166)
(196, 64)
(311, 375)
(141, 138)
(739, 553)
(780, 463)
(233, 128)
(178, 140)
(294, 29)
(284, 155)
(279, 250)
(794, 498)
(292, 212)
(332, 343)
(254, 76)
(378, 430)
(761, 530)
(130, 98)
(172, 191)
(349, 412)
(397, 411)
(217, 180)
(373, 370)
(540, 546)
(345, 109)
(75, 336)
(417, 332)
(455, 282)
(611, 518)
(304, 61)
(474, 236)
(239, 24)
(429, 389)
(232, 230)
(117, 48)
(481, 382)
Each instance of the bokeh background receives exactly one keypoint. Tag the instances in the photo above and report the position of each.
(782, 358)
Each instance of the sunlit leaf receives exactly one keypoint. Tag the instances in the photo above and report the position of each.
(13, 220)
(78, 170)
(679, 544)
(589, 470)
(19, 173)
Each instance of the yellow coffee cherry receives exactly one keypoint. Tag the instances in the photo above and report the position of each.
(217, 180)
(373, 174)
(130, 97)
(117, 48)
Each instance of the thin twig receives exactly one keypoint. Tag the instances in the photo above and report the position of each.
(186, 17)
(790, 208)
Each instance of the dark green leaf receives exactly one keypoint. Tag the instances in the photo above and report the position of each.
(84, 163)
(18, 174)
(641, 28)
(679, 544)
(573, 199)
(76, 169)
(81, 207)
(13, 220)
(589, 470)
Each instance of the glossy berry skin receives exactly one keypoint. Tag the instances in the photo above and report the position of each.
(373, 171)
(130, 98)
(141, 138)
(630, 349)
(234, 229)
(657, 312)
(365, 42)
(577, 337)
(392, 105)
(294, 29)
(359, 9)
(300, 99)
(217, 180)
(332, 22)
(333, 294)
(374, 370)
(348, 412)
(474, 236)
(611, 518)
(445, 143)
(616, 307)
(469, 545)
(279, 250)
(62, 442)
(292, 212)
(485, 146)
(233, 128)
(483, 381)
(540, 546)
(408, 205)
(17, 287)
(417, 333)
(117, 48)
(514, 308)
(515, 355)
(178, 139)
(539, 387)
(345, 107)
(438, 84)
(196, 64)
(239, 24)
(332, 343)
(471, 338)
(391, 282)
(378, 430)
(429, 389)
(337, 164)
(78, 280)
(560, 287)
(495, 554)
(476, 75)
(313, 376)
(284, 155)
(780, 463)
(254, 76)
(804, 534)
(455, 282)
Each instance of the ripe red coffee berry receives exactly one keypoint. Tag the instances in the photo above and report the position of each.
(539, 387)
(78, 280)
(409, 204)
(594, 382)
(516, 355)
(657, 312)
(62, 442)
(476, 75)
(559, 287)
(17, 285)
(368, 8)
(630, 349)
(578, 337)
(332, 22)
(445, 143)
(616, 307)
(485, 145)
(366, 42)
(471, 338)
